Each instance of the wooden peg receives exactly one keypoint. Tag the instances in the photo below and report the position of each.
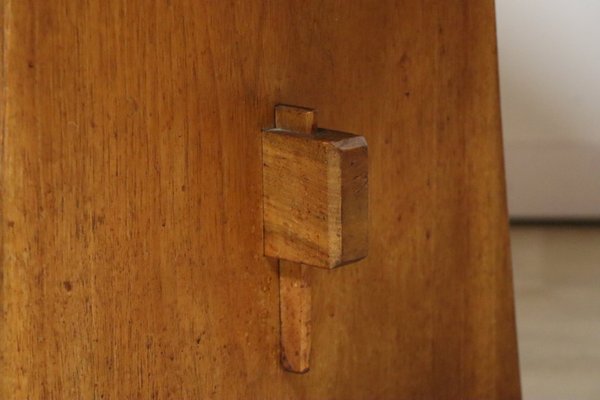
(295, 313)
(315, 198)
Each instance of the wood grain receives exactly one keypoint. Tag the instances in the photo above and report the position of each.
(295, 297)
(131, 224)
(296, 119)
(315, 208)
(315, 191)
(295, 303)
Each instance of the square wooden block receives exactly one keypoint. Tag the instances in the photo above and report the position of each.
(315, 197)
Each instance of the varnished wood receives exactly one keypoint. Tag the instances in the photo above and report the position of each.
(295, 297)
(295, 302)
(315, 191)
(131, 194)
(315, 206)
(296, 119)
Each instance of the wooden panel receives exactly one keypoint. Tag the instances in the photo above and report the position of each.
(131, 217)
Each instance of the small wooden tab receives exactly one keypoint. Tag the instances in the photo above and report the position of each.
(296, 119)
(315, 214)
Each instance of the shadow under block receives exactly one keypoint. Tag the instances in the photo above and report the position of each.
(315, 197)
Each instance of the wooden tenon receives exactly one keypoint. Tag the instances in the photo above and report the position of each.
(315, 185)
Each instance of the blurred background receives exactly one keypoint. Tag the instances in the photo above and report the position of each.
(550, 87)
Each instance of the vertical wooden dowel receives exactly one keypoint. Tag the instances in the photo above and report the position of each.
(295, 310)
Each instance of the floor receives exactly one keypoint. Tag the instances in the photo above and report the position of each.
(557, 288)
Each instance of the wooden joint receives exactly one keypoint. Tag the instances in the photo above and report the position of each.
(315, 195)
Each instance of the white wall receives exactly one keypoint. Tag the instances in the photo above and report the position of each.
(550, 88)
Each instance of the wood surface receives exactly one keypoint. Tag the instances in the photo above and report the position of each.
(315, 208)
(295, 119)
(315, 192)
(295, 299)
(131, 200)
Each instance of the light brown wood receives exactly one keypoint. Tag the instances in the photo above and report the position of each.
(315, 185)
(295, 297)
(131, 193)
(296, 119)
(295, 302)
